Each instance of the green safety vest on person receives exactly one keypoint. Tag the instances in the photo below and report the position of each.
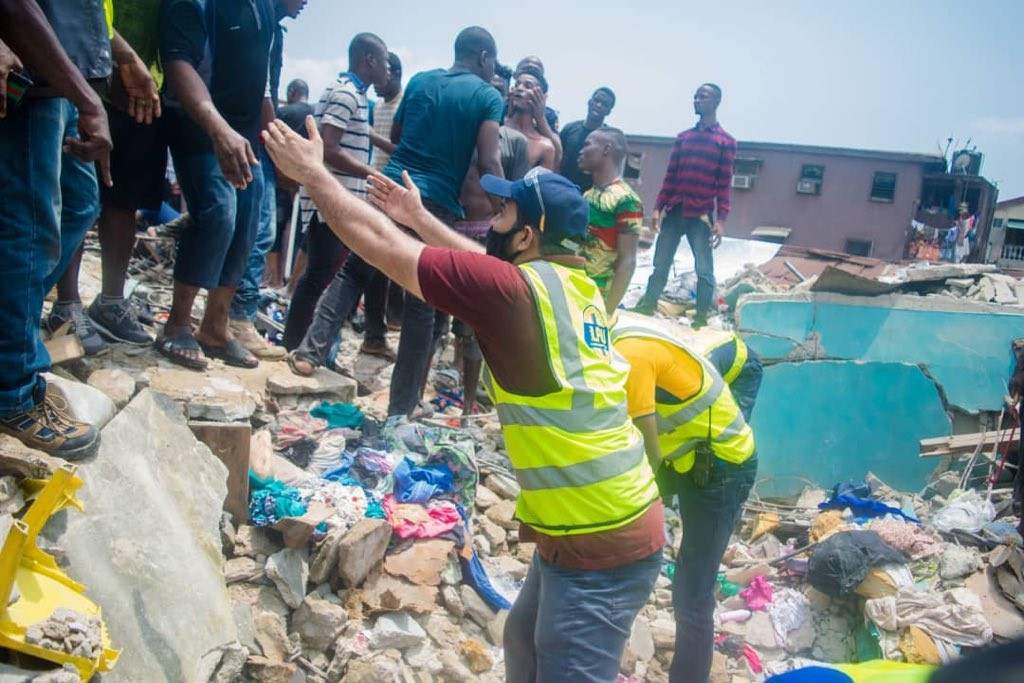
(710, 415)
(726, 349)
(579, 459)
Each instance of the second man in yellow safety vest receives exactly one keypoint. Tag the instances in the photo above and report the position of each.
(738, 364)
(696, 433)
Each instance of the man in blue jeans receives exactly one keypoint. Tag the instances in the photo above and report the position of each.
(216, 57)
(47, 148)
(694, 201)
(444, 116)
(247, 297)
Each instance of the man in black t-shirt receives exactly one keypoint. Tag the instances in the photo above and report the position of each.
(575, 134)
(216, 57)
(294, 113)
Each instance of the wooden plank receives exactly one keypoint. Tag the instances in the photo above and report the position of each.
(964, 444)
(64, 348)
(230, 442)
(297, 530)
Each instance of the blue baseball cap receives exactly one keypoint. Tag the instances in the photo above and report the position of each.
(549, 202)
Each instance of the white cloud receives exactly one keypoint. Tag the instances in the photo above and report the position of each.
(1000, 125)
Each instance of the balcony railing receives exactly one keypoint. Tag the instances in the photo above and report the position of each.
(1013, 252)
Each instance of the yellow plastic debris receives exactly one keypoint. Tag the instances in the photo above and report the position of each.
(767, 522)
(42, 587)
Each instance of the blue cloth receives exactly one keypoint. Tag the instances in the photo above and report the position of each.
(440, 116)
(165, 214)
(214, 251)
(50, 200)
(271, 500)
(247, 297)
(857, 489)
(474, 574)
(419, 484)
(578, 630)
(864, 508)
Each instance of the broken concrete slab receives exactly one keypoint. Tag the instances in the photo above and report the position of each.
(289, 570)
(117, 384)
(396, 630)
(385, 593)
(325, 383)
(19, 460)
(422, 562)
(150, 534)
(208, 396)
(361, 549)
(794, 448)
(476, 609)
(319, 622)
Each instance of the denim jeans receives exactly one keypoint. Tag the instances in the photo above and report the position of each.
(247, 297)
(746, 385)
(325, 253)
(709, 516)
(214, 251)
(572, 625)
(50, 200)
(355, 278)
(698, 234)
(422, 328)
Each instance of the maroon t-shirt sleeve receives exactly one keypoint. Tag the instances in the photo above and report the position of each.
(475, 288)
(493, 298)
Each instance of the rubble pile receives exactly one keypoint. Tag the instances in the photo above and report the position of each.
(68, 631)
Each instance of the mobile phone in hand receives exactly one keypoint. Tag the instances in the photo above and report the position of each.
(18, 83)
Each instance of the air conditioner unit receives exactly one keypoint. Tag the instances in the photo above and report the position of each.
(743, 182)
(808, 187)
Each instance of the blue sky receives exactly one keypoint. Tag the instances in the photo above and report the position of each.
(899, 75)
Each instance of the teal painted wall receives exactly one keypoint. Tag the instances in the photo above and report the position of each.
(830, 421)
(968, 353)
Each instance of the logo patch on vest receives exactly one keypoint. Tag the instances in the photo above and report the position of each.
(595, 332)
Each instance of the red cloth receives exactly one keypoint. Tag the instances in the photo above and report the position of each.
(699, 173)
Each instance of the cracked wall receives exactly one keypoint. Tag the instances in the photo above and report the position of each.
(854, 383)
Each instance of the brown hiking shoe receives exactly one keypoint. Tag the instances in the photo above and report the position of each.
(379, 349)
(246, 333)
(50, 428)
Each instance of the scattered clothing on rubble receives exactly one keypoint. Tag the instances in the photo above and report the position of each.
(474, 574)
(964, 511)
(863, 508)
(841, 562)
(857, 489)
(271, 500)
(910, 539)
(294, 426)
(825, 524)
(419, 484)
(300, 452)
(348, 502)
(875, 671)
(954, 615)
(330, 452)
(374, 470)
(758, 595)
(338, 415)
(886, 579)
(421, 521)
(790, 612)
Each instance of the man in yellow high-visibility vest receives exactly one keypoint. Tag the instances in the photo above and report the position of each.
(588, 497)
(696, 434)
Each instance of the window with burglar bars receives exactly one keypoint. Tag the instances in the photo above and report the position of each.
(883, 187)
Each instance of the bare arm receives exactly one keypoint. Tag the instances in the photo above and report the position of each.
(552, 160)
(234, 153)
(488, 151)
(403, 205)
(133, 89)
(337, 158)
(648, 426)
(362, 228)
(625, 264)
(396, 133)
(380, 142)
(24, 27)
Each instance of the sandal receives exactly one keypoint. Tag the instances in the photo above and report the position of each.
(174, 349)
(378, 349)
(292, 357)
(233, 354)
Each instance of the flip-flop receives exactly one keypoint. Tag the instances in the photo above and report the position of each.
(291, 358)
(171, 348)
(232, 353)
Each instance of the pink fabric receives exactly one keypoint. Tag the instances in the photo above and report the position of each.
(418, 521)
(295, 426)
(758, 594)
(753, 659)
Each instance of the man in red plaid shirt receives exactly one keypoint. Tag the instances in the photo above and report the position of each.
(694, 201)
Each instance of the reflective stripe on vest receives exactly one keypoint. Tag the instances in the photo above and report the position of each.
(682, 427)
(578, 458)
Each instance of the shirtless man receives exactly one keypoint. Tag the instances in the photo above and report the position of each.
(526, 114)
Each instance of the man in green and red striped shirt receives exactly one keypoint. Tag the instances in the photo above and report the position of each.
(616, 215)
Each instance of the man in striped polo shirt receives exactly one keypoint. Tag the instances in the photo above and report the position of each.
(694, 201)
(342, 115)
